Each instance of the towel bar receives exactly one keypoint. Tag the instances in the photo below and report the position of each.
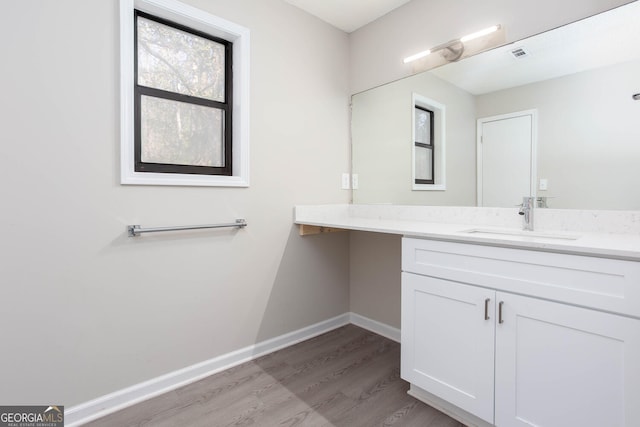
(136, 230)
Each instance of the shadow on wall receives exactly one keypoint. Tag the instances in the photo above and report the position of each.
(311, 284)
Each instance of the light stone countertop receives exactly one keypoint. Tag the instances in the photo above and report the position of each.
(609, 234)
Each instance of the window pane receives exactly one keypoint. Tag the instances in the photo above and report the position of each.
(423, 163)
(176, 61)
(181, 134)
(423, 126)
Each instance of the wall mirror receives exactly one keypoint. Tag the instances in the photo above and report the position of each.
(577, 80)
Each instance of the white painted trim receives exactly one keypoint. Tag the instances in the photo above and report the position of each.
(534, 149)
(479, 162)
(440, 143)
(428, 187)
(200, 20)
(375, 326)
(107, 404)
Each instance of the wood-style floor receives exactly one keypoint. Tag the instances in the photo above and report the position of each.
(347, 377)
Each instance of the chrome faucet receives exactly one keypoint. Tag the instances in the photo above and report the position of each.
(526, 209)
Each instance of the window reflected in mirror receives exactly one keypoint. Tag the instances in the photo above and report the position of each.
(428, 143)
(424, 149)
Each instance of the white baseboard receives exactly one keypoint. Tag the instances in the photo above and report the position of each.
(118, 400)
(375, 326)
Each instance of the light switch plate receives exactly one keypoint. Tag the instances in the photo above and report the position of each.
(354, 181)
(345, 181)
(544, 184)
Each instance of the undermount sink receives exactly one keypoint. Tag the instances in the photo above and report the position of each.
(522, 233)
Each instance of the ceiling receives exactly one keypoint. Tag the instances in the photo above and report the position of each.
(348, 15)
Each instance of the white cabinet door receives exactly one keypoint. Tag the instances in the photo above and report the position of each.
(447, 343)
(558, 365)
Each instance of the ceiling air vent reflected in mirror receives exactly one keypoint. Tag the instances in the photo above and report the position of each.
(519, 53)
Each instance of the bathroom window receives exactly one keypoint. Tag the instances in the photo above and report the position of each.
(182, 99)
(424, 149)
(428, 119)
(184, 96)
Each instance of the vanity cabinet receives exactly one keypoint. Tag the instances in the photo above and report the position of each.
(513, 337)
(447, 346)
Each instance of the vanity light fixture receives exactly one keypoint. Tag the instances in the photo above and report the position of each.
(454, 46)
(417, 56)
(480, 33)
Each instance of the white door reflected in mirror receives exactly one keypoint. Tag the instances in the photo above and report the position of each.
(506, 159)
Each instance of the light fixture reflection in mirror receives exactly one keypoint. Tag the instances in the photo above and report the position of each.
(457, 49)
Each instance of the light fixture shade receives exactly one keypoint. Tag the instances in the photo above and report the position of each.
(480, 33)
(417, 56)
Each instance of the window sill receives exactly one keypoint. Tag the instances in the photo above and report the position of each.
(150, 178)
(429, 187)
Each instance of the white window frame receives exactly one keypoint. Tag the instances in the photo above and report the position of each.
(197, 19)
(439, 143)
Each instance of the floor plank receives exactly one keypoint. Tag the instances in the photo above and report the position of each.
(348, 377)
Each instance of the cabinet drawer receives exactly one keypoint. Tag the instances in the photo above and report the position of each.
(601, 283)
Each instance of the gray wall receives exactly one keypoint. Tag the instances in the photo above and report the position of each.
(587, 135)
(376, 57)
(87, 311)
(375, 276)
(380, 128)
